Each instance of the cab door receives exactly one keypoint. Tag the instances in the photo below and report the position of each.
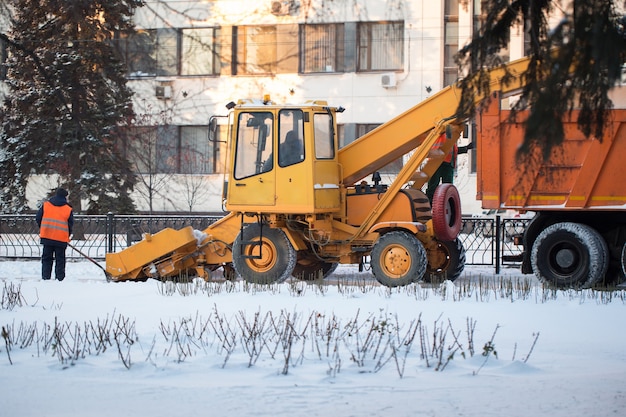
(293, 167)
(253, 181)
(326, 168)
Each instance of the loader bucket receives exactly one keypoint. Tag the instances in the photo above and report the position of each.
(138, 261)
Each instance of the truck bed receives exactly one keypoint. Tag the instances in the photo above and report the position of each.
(581, 173)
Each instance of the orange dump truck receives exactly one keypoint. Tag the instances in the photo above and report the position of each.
(577, 237)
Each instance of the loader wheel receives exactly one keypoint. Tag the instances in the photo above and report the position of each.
(263, 256)
(446, 262)
(398, 259)
(446, 212)
(310, 270)
(569, 255)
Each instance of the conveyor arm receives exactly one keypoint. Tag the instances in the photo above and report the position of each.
(408, 130)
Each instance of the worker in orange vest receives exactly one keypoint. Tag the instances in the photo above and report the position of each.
(55, 219)
(445, 172)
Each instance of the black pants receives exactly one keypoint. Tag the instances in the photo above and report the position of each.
(445, 174)
(50, 254)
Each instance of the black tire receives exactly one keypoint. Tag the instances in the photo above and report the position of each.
(308, 270)
(615, 275)
(569, 255)
(398, 259)
(623, 259)
(278, 257)
(447, 263)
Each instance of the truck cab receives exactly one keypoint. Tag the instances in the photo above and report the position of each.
(284, 159)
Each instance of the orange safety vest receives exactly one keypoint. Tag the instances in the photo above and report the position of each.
(451, 156)
(54, 222)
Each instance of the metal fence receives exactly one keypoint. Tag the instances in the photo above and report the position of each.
(488, 241)
(93, 235)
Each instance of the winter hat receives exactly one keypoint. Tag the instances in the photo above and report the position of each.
(62, 192)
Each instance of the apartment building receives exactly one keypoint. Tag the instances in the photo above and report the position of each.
(376, 58)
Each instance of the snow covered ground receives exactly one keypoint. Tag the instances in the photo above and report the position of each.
(187, 349)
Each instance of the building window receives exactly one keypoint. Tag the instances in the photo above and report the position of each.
(321, 48)
(256, 49)
(341, 135)
(479, 17)
(363, 128)
(150, 52)
(264, 50)
(165, 52)
(380, 46)
(196, 152)
(451, 47)
(472, 136)
(153, 149)
(451, 42)
(170, 149)
(198, 51)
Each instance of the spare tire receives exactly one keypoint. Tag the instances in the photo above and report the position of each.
(446, 210)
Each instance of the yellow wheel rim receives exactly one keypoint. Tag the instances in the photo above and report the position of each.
(263, 256)
(396, 261)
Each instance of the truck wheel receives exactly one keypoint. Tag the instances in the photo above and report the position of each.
(623, 260)
(446, 262)
(569, 255)
(447, 220)
(270, 261)
(615, 275)
(309, 270)
(397, 259)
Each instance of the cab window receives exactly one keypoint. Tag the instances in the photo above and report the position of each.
(254, 144)
(290, 137)
(324, 140)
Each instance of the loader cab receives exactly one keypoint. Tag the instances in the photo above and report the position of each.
(283, 159)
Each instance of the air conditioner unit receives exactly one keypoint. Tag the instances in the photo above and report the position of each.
(282, 7)
(163, 92)
(388, 80)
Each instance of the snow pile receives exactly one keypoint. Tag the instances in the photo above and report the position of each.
(347, 347)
